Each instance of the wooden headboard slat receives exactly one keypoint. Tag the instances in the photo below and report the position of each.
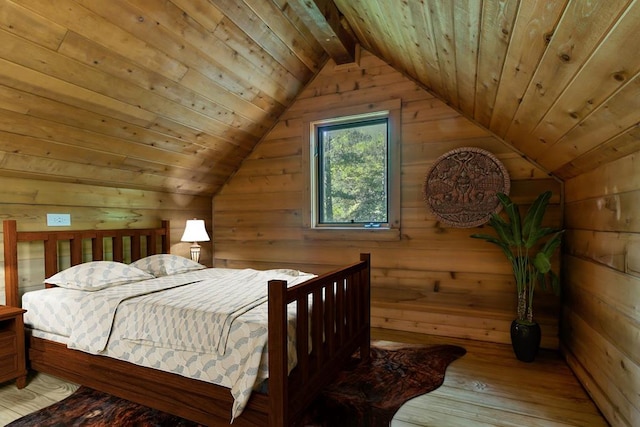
(166, 236)
(118, 248)
(75, 238)
(76, 250)
(96, 248)
(50, 256)
(135, 246)
(152, 243)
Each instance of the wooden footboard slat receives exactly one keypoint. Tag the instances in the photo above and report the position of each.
(318, 329)
(302, 339)
(340, 314)
(330, 322)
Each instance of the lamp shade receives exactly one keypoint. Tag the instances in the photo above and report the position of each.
(195, 231)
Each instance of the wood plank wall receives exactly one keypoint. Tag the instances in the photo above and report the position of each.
(28, 201)
(433, 279)
(601, 315)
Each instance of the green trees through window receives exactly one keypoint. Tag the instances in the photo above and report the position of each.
(353, 173)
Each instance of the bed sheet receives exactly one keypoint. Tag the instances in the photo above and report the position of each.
(241, 366)
(51, 310)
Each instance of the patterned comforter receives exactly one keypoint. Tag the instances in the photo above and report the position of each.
(206, 324)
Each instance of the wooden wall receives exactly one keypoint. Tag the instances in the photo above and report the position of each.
(433, 279)
(28, 202)
(601, 316)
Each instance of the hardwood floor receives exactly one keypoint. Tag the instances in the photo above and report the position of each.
(486, 387)
(42, 390)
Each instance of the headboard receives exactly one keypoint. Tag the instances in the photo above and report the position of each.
(51, 238)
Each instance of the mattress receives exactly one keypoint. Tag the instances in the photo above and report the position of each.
(170, 329)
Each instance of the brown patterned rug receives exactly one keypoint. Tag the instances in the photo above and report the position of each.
(364, 395)
(370, 394)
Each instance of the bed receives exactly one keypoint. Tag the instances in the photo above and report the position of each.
(329, 315)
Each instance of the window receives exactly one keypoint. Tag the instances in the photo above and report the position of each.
(354, 172)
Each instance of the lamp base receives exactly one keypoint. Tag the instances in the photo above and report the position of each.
(195, 252)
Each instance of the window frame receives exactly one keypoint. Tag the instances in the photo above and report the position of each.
(389, 110)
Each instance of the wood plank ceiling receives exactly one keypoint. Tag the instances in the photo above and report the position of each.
(171, 95)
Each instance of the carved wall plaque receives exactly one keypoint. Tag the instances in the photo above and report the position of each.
(460, 188)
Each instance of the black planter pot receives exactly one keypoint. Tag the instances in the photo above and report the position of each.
(525, 339)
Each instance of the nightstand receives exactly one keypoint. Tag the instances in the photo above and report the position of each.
(12, 348)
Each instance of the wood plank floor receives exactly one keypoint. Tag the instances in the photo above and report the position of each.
(42, 390)
(486, 387)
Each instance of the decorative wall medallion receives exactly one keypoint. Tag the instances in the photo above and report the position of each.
(460, 188)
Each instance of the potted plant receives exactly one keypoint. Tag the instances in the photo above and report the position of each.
(529, 248)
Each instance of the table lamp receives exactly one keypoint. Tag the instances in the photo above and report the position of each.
(195, 232)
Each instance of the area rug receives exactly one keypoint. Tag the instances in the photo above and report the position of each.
(369, 394)
(365, 394)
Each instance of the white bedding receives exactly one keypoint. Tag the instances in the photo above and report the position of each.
(177, 330)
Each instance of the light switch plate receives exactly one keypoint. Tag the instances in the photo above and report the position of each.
(58, 220)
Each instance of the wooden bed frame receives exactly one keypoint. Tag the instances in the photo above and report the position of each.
(338, 327)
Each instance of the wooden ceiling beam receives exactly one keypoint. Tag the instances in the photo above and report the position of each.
(322, 17)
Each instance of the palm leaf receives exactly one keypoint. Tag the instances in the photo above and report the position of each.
(550, 246)
(493, 239)
(513, 213)
(533, 219)
(504, 229)
(542, 262)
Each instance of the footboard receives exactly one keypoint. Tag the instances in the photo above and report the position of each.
(332, 322)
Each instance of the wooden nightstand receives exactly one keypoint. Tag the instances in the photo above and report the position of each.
(12, 348)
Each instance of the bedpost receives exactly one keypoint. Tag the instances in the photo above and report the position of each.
(12, 295)
(278, 355)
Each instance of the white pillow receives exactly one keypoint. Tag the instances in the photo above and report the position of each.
(96, 275)
(166, 264)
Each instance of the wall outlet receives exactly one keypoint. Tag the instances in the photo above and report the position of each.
(58, 220)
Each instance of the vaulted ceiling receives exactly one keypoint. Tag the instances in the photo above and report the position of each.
(171, 95)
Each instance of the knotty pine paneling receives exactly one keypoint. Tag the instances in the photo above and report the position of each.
(601, 321)
(172, 95)
(28, 201)
(431, 279)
